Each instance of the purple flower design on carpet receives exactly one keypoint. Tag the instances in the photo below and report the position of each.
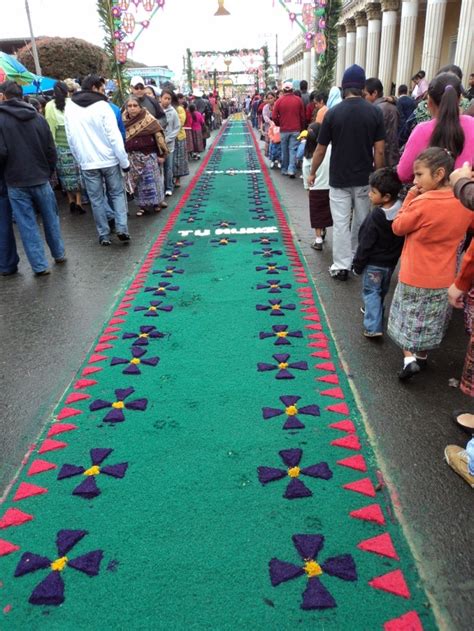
(174, 256)
(272, 268)
(180, 244)
(162, 288)
(282, 366)
(264, 240)
(268, 252)
(315, 596)
(191, 219)
(88, 488)
(291, 459)
(292, 412)
(224, 224)
(137, 359)
(261, 218)
(154, 308)
(146, 333)
(116, 414)
(223, 241)
(274, 286)
(275, 307)
(281, 333)
(168, 272)
(51, 589)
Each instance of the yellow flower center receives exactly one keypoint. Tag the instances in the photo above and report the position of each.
(291, 410)
(143, 335)
(135, 360)
(59, 564)
(272, 267)
(282, 365)
(294, 472)
(273, 286)
(282, 333)
(275, 307)
(118, 405)
(152, 309)
(94, 470)
(224, 241)
(170, 271)
(175, 256)
(312, 568)
(161, 288)
(179, 243)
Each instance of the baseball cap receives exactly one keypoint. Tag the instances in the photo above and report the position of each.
(287, 86)
(137, 81)
(303, 134)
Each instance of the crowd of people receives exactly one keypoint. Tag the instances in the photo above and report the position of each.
(95, 152)
(393, 178)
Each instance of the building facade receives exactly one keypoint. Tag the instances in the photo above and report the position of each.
(393, 39)
(299, 62)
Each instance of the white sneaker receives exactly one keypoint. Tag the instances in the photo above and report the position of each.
(168, 193)
(272, 164)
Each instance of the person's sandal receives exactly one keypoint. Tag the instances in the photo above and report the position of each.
(464, 420)
(140, 212)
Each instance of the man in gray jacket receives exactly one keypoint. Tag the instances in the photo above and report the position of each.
(168, 98)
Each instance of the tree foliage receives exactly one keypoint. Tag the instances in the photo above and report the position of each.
(115, 70)
(64, 57)
(327, 61)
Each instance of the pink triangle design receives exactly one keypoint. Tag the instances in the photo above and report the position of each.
(59, 428)
(68, 412)
(96, 358)
(102, 347)
(14, 517)
(51, 445)
(326, 366)
(336, 393)
(381, 544)
(339, 408)
(7, 548)
(345, 426)
(334, 379)
(392, 582)
(351, 441)
(39, 466)
(322, 354)
(77, 396)
(89, 370)
(408, 622)
(28, 490)
(369, 513)
(117, 321)
(363, 486)
(320, 344)
(354, 462)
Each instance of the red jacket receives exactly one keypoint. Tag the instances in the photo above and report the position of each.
(288, 113)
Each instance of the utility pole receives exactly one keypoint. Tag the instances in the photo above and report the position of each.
(33, 41)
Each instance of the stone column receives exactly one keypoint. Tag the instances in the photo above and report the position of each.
(307, 66)
(389, 27)
(350, 41)
(432, 37)
(464, 52)
(314, 69)
(406, 46)
(361, 38)
(374, 16)
(341, 53)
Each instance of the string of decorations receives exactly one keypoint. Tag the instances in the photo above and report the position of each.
(130, 24)
(310, 17)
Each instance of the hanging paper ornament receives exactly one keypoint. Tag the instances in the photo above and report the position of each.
(322, 24)
(121, 51)
(292, 17)
(124, 4)
(160, 3)
(320, 43)
(145, 23)
(308, 14)
(128, 23)
(116, 12)
(148, 4)
(136, 3)
(309, 39)
(131, 45)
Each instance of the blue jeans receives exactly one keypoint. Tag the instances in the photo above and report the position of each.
(9, 258)
(24, 202)
(111, 178)
(375, 285)
(168, 172)
(288, 151)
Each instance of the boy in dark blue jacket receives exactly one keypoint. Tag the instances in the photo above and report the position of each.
(379, 248)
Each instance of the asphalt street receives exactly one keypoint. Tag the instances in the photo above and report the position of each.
(48, 325)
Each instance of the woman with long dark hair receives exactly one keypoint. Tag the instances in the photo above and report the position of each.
(448, 129)
(68, 170)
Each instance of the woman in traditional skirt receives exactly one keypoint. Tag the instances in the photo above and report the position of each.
(197, 122)
(319, 208)
(180, 156)
(433, 222)
(68, 170)
(146, 147)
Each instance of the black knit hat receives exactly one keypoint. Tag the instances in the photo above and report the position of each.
(354, 77)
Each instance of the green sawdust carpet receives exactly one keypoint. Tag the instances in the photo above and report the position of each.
(208, 468)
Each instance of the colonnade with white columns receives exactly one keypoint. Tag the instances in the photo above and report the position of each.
(371, 33)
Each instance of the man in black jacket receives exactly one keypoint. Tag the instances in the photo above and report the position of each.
(379, 248)
(9, 258)
(28, 158)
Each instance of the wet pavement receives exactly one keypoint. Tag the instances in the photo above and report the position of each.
(48, 325)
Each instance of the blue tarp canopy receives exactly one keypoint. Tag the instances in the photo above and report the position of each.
(40, 84)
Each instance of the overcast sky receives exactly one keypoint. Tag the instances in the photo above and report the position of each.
(181, 24)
